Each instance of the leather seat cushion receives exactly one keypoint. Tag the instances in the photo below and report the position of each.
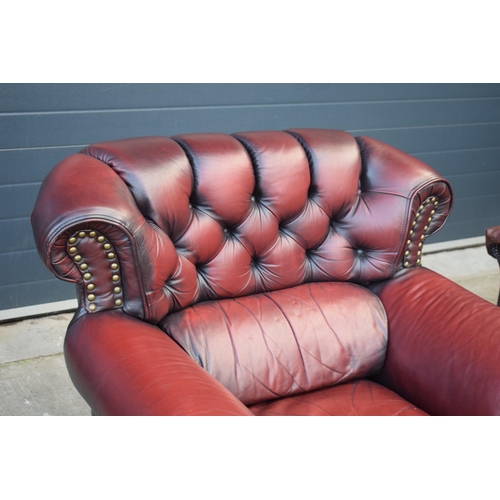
(285, 342)
(361, 397)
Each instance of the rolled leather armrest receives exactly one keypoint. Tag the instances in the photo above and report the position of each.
(428, 196)
(105, 214)
(124, 366)
(444, 345)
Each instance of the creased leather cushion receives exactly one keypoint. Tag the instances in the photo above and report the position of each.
(358, 398)
(285, 342)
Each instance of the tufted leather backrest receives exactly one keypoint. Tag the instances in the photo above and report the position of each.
(261, 211)
(214, 216)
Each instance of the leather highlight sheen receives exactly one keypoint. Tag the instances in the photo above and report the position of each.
(286, 342)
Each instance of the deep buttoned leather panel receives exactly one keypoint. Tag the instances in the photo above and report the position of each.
(212, 216)
(285, 342)
(359, 398)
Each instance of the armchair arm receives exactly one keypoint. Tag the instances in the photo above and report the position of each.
(124, 366)
(444, 345)
(427, 195)
(90, 230)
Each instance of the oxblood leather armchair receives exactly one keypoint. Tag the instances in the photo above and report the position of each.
(268, 273)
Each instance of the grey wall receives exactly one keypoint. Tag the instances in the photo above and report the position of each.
(454, 128)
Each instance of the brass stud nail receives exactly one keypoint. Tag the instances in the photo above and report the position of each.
(417, 216)
(408, 242)
(111, 255)
(414, 223)
(72, 240)
(421, 207)
(90, 286)
(84, 266)
(118, 302)
(406, 264)
(422, 237)
(101, 239)
(420, 245)
(92, 307)
(87, 276)
(418, 262)
(82, 234)
(114, 266)
(419, 253)
(433, 198)
(115, 277)
(407, 253)
(117, 289)
(433, 212)
(411, 232)
(107, 246)
(91, 297)
(77, 258)
(92, 234)
(436, 203)
(426, 227)
(73, 250)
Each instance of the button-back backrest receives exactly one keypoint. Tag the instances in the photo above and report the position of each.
(261, 211)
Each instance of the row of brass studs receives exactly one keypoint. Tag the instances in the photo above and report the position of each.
(117, 290)
(421, 208)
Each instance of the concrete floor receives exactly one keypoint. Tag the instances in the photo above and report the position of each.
(33, 376)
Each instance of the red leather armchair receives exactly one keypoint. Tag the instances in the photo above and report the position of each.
(262, 273)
